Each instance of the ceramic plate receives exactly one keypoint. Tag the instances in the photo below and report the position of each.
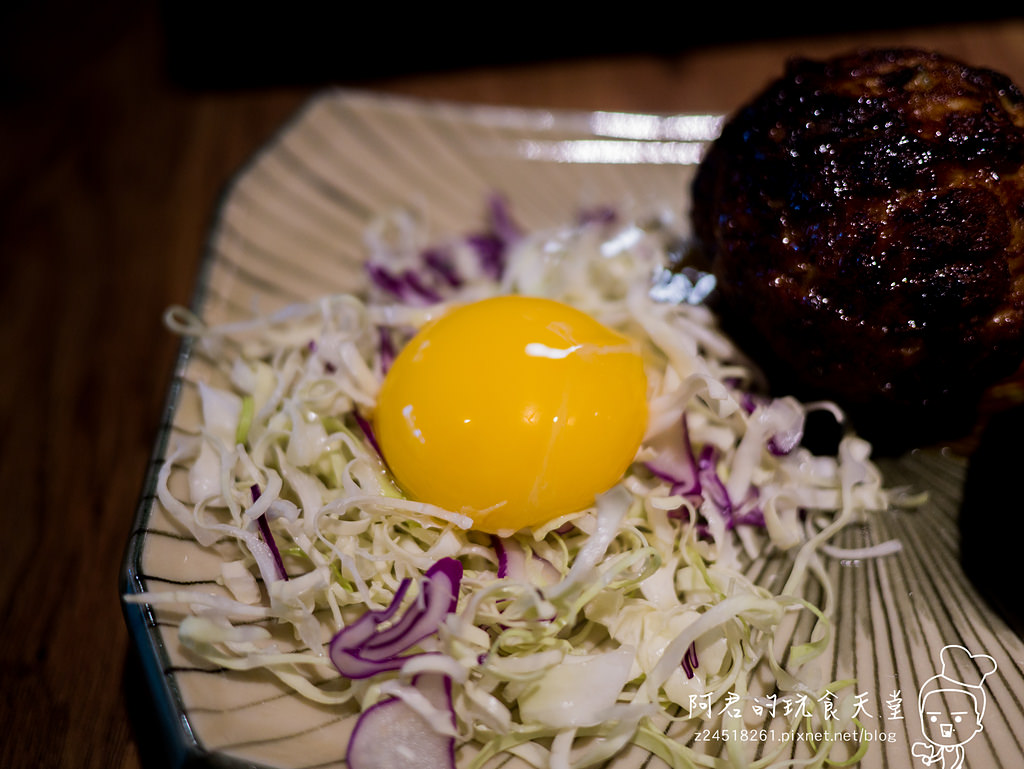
(291, 228)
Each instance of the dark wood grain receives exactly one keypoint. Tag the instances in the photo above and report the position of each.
(109, 176)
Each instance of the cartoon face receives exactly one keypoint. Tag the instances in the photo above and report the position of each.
(950, 717)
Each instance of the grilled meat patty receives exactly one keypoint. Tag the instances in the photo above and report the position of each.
(864, 217)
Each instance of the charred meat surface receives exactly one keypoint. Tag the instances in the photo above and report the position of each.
(864, 217)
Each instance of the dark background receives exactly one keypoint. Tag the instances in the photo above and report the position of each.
(253, 45)
(248, 45)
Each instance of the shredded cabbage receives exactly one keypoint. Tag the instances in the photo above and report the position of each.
(626, 626)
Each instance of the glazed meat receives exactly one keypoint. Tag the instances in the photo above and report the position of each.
(864, 217)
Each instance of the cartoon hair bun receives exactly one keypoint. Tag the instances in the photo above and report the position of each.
(964, 668)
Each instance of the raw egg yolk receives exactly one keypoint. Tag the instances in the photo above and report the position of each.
(512, 410)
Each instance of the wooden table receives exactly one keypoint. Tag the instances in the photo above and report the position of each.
(108, 179)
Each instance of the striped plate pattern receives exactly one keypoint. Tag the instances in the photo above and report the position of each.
(291, 227)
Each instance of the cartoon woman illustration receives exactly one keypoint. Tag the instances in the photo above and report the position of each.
(951, 705)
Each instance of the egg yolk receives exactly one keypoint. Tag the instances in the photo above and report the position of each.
(512, 410)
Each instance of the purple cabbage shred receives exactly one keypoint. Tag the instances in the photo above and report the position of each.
(436, 274)
(268, 536)
(696, 478)
(368, 433)
(364, 649)
(690, 662)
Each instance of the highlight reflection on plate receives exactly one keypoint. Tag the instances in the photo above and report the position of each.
(291, 227)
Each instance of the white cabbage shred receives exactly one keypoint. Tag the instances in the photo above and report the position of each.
(633, 623)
